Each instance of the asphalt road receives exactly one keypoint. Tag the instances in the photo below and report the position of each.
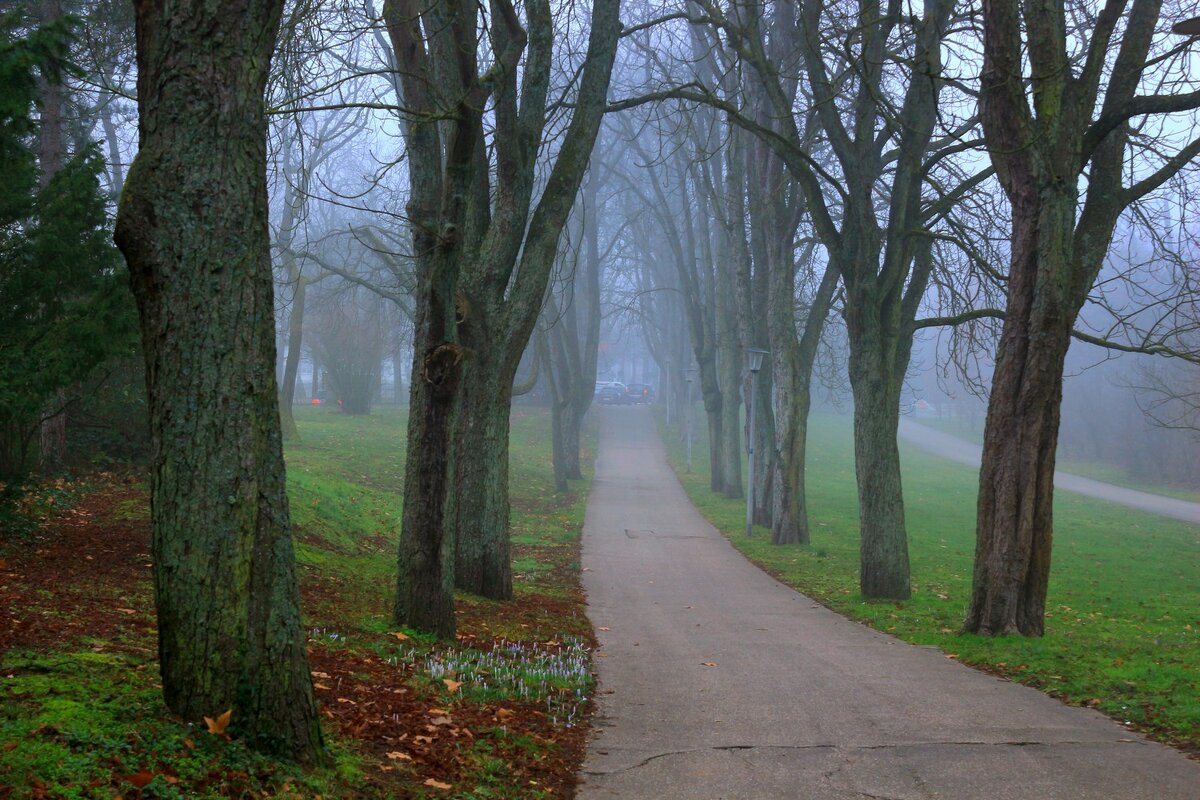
(716, 681)
(964, 452)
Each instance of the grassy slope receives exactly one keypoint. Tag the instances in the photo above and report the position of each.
(80, 716)
(1123, 627)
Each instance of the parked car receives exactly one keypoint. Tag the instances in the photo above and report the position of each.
(612, 395)
(640, 393)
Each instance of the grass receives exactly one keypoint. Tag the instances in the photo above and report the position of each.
(83, 717)
(1123, 621)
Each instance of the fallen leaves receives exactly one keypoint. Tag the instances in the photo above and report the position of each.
(139, 779)
(437, 784)
(708, 663)
(398, 755)
(452, 685)
(400, 635)
(217, 726)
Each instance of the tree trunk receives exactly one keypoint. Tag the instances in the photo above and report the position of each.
(425, 577)
(483, 563)
(713, 406)
(875, 378)
(193, 227)
(291, 367)
(397, 382)
(572, 423)
(52, 436)
(1016, 481)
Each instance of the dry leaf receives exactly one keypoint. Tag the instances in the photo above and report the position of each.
(399, 756)
(437, 784)
(708, 663)
(139, 779)
(320, 674)
(126, 610)
(3, 563)
(418, 739)
(437, 712)
(346, 700)
(399, 635)
(606, 629)
(452, 685)
(504, 713)
(320, 686)
(1095, 701)
(219, 724)
(189, 744)
(440, 721)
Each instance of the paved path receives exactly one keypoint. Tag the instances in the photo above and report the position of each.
(964, 452)
(801, 703)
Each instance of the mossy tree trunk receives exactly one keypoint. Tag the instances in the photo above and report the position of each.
(193, 227)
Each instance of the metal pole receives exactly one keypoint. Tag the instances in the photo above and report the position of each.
(750, 471)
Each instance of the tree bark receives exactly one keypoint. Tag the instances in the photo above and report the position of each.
(193, 227)
(291, 365)
(1014, 528)
(876, 375)
(483, 557)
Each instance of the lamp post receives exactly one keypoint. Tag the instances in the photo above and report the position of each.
(755, 355)
(688, 421)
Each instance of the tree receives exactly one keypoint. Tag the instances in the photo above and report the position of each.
(875, 79)
(193, 227)
(572, 319)
(483, 254)
(63, 306)
(1062, 226)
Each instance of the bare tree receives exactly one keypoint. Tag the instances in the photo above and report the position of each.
(1079, 123)
(483, 257)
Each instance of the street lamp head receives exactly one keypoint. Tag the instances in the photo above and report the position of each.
(756, 358)
(1187, 27)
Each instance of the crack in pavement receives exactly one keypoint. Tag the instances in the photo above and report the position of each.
(849, 749)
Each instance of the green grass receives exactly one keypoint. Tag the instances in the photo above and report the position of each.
(1123, 621)
(83, 715)
(78, 720)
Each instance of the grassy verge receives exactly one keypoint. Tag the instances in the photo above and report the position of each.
(501, 712)
(1123, 628)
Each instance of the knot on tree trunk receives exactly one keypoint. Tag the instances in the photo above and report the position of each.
(442, 368)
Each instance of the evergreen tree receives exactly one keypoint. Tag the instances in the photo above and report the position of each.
(64, 302)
